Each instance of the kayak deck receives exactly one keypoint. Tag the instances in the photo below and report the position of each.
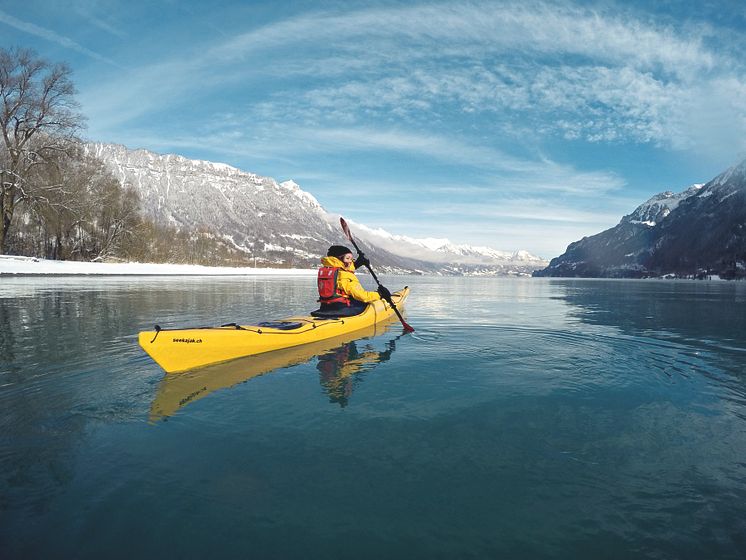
(177, 350)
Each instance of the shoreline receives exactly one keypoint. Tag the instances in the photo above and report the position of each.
(19, 266)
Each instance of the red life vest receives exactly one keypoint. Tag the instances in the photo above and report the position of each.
(327, 281)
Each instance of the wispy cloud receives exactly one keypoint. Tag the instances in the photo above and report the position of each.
(49, 35)
(514, 173)
(630, 82)
(87, 11)
(542, 27)
(508, 66)
(503, 171)
(526, 211)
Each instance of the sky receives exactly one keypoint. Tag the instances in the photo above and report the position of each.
(514, 125)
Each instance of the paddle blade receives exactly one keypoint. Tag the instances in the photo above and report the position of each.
(407, 327)
(345, 228)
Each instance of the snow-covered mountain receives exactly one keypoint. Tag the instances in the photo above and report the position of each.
(280, 224)
(655, 210)
(277, 223)
(440, 250)
(699, 231)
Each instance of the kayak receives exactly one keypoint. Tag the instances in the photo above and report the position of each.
(177, 350)
(177, 391)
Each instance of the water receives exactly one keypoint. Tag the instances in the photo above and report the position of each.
(523, 419)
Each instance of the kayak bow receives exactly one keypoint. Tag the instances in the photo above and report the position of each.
(177, 350)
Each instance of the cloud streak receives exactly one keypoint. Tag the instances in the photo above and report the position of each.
(541, 27)
(502, 172)
(528, 211)
(53, 37)
(631, 82)
(508, 65)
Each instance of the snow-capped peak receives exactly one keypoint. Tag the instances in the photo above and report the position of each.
(737, 171)
(439, 249)
(294, 188)
(658, 207)
(433, 243)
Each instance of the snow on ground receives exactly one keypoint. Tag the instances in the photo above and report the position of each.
(16, 265)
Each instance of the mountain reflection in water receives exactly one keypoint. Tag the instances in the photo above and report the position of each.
(339, 361)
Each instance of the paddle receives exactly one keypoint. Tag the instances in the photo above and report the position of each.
(346, 229)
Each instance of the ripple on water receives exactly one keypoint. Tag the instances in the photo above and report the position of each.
(571, 359)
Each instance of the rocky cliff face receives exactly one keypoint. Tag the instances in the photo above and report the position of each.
(707, 231)
(277, 223)
(701, 230)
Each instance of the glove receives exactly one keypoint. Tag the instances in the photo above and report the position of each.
(361, 260)
(384, 293)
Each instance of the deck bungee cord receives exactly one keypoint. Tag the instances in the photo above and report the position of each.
(258, 330)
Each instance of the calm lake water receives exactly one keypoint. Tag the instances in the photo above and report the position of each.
(524, 419)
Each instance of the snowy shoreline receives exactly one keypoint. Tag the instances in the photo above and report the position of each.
(11, 265)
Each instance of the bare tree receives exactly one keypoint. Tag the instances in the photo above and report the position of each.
(89, 217)
(115, 216)
(38, 119)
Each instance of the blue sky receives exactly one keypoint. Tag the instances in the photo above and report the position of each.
(516, 125)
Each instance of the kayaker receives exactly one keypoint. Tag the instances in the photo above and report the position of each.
(340, 292)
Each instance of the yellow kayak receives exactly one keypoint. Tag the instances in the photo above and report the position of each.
(177, 391)
(177, 350)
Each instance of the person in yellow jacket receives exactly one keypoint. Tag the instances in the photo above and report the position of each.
(340, 292)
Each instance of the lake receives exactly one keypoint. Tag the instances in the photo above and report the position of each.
(525, 418)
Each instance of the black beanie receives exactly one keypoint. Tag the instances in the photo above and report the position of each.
(337, 251)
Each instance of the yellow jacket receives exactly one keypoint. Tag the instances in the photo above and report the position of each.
(347, 282)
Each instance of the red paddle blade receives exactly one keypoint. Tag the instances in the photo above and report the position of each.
(345, 228)
(407, 327)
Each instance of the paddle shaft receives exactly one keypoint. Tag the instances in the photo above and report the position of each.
(348, 233)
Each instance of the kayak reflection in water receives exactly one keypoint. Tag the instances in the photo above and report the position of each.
(338, 367)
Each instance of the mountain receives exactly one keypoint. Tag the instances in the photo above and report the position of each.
(279, 224)
(452, 258)
(699, 231)
(276, 223)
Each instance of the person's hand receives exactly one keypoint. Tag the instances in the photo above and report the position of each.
(384, 293)
(361, 260)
